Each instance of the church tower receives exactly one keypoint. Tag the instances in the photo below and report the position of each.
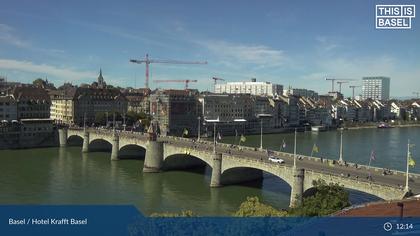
(101, 82)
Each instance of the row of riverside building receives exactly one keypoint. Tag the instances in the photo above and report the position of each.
(238, 106)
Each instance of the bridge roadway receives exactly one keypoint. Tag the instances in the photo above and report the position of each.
(239, 163)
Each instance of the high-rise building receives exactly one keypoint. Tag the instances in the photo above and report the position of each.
(253, 88)
(376, 88)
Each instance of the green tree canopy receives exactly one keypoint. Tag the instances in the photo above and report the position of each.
(253, 207)
(328, 198)
(186, 213)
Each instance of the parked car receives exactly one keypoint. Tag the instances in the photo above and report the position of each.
(276, 160)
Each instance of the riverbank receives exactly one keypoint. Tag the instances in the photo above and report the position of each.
(376, 126)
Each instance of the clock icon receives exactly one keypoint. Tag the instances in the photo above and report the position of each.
(387, 226)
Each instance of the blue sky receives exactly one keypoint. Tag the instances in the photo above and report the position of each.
(294, 43)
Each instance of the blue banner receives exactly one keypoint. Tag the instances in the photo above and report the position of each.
(127, 220)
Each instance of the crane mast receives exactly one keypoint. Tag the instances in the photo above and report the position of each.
(215, 82)
(147, 61)
(177, 81)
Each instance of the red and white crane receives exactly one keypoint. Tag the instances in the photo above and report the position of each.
(147, 61)
(186, 81)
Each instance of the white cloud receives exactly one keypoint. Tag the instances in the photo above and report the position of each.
(7, 35)
(259, 55)
(64, 73)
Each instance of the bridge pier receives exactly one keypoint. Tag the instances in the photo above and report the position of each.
(115, 147)
(154, 157)
(216, 172)
(85, 147)
(296, 195)
(62, 137)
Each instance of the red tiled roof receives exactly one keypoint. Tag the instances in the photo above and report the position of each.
(411, 207)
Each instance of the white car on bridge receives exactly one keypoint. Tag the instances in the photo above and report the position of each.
(276, 160)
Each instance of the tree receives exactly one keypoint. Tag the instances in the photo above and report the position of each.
(253, 207)
(40, 83)
(100, 118)
(134, 117)
(328, 198)
(186, 213)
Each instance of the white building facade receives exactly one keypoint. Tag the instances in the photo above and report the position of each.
(377, 88)
(253, 88)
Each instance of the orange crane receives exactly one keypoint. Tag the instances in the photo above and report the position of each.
(215, 82)
(186, 81)
(147, 61)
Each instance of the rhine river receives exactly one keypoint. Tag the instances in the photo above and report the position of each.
(66, 176)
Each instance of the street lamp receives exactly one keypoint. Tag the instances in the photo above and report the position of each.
(294, 149)
(214, 131)
(261, 116)
(124, 125)
(341, 146)
(199, 126)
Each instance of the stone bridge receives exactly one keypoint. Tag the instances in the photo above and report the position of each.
(227, 167)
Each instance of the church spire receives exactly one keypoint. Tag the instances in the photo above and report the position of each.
(101, 82)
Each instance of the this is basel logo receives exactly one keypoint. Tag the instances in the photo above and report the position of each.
(394, 16)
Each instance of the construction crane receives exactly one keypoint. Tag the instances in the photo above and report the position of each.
(335, 79)
(186, 81)
(353, 87)
(215, 82)
(417, 93)
(340, 83)
(148, 61)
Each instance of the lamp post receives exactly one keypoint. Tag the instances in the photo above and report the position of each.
(198, 130)
(341, 147)
(84, 122)
(124, 125)
(294, 149)
(261, 116)
(113, 122)
(214, 131)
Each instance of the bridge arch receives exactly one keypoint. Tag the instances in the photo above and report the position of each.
(132, 151)
(75, 140)
(124, 141)
(236, 175)
(100, 144)
(184, 161)
(280, 171)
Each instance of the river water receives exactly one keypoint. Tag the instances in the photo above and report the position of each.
(66, 176)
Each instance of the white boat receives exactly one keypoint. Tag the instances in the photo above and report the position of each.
(318, 128)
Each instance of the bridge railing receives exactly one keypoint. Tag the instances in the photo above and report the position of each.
(358, 180)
